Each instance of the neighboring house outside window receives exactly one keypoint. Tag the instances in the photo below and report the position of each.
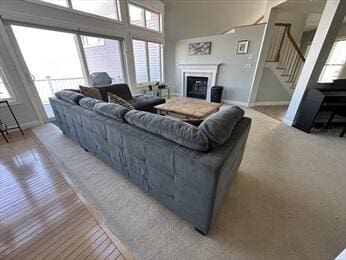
(143, 17)
(335, 62)
(148, 65)
(5, 93)
(104, 8)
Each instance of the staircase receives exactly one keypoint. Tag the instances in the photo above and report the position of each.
(285, 57)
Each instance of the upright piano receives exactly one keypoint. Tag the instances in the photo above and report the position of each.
(329, 97)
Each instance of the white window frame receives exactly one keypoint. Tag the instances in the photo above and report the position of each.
(145, 18)
(326, 64)
(70, 9)
(147, 56)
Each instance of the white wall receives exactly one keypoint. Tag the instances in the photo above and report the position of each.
(237, 70)
(189, 19)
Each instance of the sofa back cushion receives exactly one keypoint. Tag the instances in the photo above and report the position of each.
(69, 96)
(111, 110)
(91, 92)
(89, 103)
(121, 90)
(174, 130)
(219, 126)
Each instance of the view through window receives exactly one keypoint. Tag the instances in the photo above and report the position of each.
(147, 57)
(105, 8)
(145, 18)
(335, 63)
(54, 61)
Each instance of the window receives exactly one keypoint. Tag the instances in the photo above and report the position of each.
(145, 18)
(4, 91)
(92, 41)
(335, 63)
(136, 15)
(105, 57)
(105, 8)
(141, 63)
(147, 61)
(152, 20)
(57, 2)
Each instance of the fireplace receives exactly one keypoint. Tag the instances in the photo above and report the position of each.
(196, 87)
(196, 80)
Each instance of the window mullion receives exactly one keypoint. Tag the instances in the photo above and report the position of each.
(69, 4)
(148, 63)
(145, 18)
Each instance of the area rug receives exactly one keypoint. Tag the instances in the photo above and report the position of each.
(287, 201)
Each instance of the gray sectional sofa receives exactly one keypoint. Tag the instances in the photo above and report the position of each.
(188, 169)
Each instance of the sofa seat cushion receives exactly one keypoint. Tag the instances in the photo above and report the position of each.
(146, 102)
(112, 98)
(111, 110)
(218, 127)
(69, 96)
(174, 130)
(89, 103)
(91, 92)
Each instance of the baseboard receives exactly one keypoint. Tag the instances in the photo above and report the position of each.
(234, 102)
(27, 125)
(271, 103)
(287, 122)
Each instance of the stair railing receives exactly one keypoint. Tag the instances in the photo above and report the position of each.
(284, 50)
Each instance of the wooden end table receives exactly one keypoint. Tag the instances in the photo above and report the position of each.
(188, 108)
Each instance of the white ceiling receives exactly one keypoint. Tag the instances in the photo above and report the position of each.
(303, 6)
(313, 9)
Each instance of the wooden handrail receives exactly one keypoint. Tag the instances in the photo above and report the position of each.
(290, 37)
(259, 19)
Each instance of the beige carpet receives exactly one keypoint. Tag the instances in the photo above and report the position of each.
(288, 200)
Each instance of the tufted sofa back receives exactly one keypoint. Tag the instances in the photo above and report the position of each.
(190, 183)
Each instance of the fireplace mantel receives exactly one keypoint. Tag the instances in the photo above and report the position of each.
(198, 70)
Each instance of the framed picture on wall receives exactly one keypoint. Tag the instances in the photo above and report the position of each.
(199, 48)
(242, 46)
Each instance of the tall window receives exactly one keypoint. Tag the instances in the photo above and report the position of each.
(4, 88)
(57, 2)
(105, 8)
(143, 17)
(335, 63)
(104, 55)
(147, 61)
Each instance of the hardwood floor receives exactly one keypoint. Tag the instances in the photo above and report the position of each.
(41, 216)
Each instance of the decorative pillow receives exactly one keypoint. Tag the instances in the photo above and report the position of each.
(111, 110)
(112, 98)
(174, 130)
(91, 92)
(69, 96)
(219, 126)
(89, 103)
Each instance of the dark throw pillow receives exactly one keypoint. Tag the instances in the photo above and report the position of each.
(91, 92)
(112, 98)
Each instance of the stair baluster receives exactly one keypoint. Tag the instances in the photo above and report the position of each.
(285, 51)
